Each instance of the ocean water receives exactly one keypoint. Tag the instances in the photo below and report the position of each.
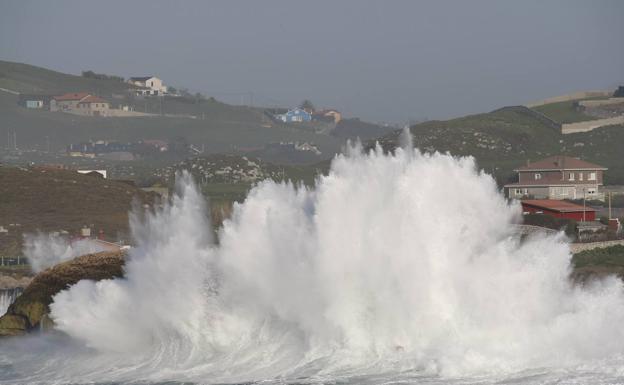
(394, 269)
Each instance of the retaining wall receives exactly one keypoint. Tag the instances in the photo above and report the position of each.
(578, 247)
(568, 97)
(571, 128)
(598, 103)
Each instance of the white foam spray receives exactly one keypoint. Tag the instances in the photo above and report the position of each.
(7, 297)
(45, 250)
(394, 265)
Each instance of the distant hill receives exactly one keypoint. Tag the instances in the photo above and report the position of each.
(204, 122)
(25, 78)
(35, 199)
(355, 128)
(506, 138)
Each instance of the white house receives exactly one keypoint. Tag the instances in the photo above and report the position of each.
(153, 85)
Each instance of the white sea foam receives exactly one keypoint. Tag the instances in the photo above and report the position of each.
(392, 267)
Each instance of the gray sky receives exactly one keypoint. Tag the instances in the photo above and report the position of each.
(381, 60)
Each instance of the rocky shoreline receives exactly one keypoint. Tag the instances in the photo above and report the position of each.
(30, 310)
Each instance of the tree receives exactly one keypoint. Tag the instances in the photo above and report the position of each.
(307, 105)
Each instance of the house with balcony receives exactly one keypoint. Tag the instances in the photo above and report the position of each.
(150, 85)
(557, 177)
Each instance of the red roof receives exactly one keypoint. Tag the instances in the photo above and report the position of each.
(560, 162)
(72, 96)
(556, 205)
(93, 99)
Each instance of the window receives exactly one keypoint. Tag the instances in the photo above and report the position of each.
(580, 176)
(592, 176)
(538, 176)
(571, 176)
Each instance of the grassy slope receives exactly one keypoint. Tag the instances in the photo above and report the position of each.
(51, 200)
(26, 79)
(505, 139)
(563, 112)
(598, 263)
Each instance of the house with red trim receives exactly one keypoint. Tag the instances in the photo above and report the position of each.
(557, 177)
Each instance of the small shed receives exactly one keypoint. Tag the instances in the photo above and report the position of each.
(558, 209)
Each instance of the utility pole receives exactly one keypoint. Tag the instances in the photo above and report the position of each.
(583, 204)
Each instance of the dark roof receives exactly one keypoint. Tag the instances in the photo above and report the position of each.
(556, 205)
(560, 162)
(141, 78)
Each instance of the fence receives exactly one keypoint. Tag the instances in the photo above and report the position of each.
(13, 261)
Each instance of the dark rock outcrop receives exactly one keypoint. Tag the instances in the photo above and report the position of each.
(30, 310)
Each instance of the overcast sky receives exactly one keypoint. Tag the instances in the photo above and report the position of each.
(381, 60)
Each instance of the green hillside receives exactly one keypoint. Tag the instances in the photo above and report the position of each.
(205, 123)
(563, 112)
(506, 138)
(25, 78)
(54, 200)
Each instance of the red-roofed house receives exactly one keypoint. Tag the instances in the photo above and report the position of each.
(80, 103)
(557, 177)
(66, 102)
(559, 209)
(92, 105)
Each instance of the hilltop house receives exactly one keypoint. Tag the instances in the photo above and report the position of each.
(330, 116)
(67, 102)
(80, 103)
(93, 106)
(296, 115)
(152, 85)
(557, 177)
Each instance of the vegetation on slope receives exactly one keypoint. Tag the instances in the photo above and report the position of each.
(597, 263)
(30, 79)
(563, 112)
(53, 200)
(505, 139)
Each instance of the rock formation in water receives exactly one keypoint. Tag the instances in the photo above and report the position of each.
(30, 310)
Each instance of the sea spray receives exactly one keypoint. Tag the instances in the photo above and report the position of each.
(7, 297)
(395, 264)
(45, 250)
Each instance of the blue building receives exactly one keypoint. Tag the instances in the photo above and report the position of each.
(296, 115)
